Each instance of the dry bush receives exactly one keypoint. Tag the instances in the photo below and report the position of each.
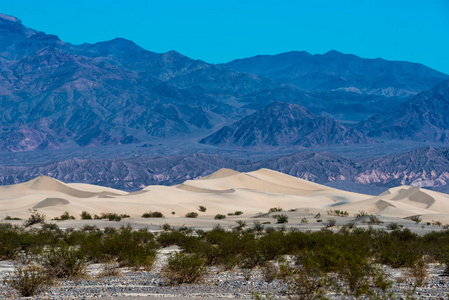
(110, 270)
(29, 281)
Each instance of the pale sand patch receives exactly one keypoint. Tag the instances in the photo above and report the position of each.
(223, 192)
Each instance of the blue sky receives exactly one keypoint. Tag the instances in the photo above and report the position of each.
(219, 31)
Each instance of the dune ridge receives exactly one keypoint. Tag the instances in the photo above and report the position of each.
(222, 192)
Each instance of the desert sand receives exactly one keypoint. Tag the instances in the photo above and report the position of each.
(222, 192)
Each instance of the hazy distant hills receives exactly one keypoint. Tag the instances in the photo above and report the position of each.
(351, 87)
(423, 118)
(337, 71)
(283, 123)
(424, 168)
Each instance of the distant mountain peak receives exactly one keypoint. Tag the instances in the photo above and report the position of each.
(280, 124)
(10, 18)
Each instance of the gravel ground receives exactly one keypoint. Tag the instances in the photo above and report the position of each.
(217, 285)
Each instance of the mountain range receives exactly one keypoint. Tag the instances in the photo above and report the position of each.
(56, 95)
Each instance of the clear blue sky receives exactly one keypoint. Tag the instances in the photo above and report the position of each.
(222, 30)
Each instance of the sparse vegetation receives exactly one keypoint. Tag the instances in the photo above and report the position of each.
(280, 219)
(202, 208)
(184, 268)
(219, 217)
(29, 281)
(374, 220)
(360, 214)
(192, 215)
(416, 219)
(275, 209)
(330, 223)
(9, 218)
(35, 218)
(64, 216)
(153, 214)
(337, 213)
(86, 216)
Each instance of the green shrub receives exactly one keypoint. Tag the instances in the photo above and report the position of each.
(192, 215)
(360, 214)
(153, 214)
(275, 209)
(35, 218)
(85, 215)
(29, 281)
(9, 218)
(416, 219)
(258, 226)
(330, 223)
(184, 268)
(64, 216)
(219, 217)
(166, 227)
(202, 208)
(63, 262)
(238, 213)
(374, 220)
(281, 219)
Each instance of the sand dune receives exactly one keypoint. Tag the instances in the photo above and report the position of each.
(222, 192)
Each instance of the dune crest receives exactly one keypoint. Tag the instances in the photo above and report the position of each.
(222, 192)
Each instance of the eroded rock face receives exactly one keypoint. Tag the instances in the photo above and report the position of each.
(282, 123)
(423, 118)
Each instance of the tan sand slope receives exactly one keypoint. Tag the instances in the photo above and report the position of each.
(223, 192)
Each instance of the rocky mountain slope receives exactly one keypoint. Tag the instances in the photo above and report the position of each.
(424, 168)
(353, 88)
(337, 71)
(282, 123)
(423, 118)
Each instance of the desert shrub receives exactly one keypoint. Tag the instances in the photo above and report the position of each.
(35, 218)
(85, 215)
(109, 270)
(258, 226)
(238, 213)
(374, 220)
(360, 214)
(64, 216)
(304, 221)
(29, 281)
(88, 227)
(192, 215)
(275, 209)
(269, 272)
(63, 262)
(280, 219)
(219, 217)
(166, 227)
(184, 268)
(185, 229)
(317, 216)
(202, 208)
(166, 239)
(330, 223)
(338, 213)
(9, 218)
(153, 214)
(241, 224)
(416, 219)
(393, 226)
